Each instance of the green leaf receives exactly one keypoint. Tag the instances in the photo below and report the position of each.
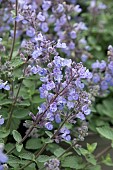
(48, 140)
(91, 40)
(17, 62)
(19, 147)
(29, 83)
(23, 103)
(83, 151)
(49, 133)
(4, 112)
(1, 140)
(91, 147)
(108, 103)
(52, 147)
(108, 107)
(97, 167)
(8, 146)
(34, 143)
(59, 152)
(37, 100)
(14, 124)
(106, 132)
(43, 158)
(100, 109)
(13, 161)
(72, 162)
(108, 161)
(30, 167)
(112, 144)
(2, 95)
(27, 156)
(77, 151)
(93, 109)
(5, 102)
(3, 132)
(20, 113)
(17, 136)
(91, 159)
(23, 92)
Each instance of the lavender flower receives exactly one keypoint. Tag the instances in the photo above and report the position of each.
(57, 118)
(96, 65)
(41, 17)
(84, 57)
(1, 167)
(61, 45)
(52, 164)
(1, 120)
(3, 157)
(86, 110)
(46, 5)
(44, 27)
(80, 115)
(53, 107)
(77, 9)
(104, 85)
(65, 134)
(30, 32)
(4, 85)
(48, 126)
(36, 53)
(96, 78)
(73, 34)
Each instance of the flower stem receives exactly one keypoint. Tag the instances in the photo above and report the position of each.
(45, 145)
(12, 108)
(103, 152)
(15, 100)
(14, 35)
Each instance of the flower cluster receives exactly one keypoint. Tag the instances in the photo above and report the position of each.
(6, 17)
(62, 86)
(82, 131)
(54, 18)
(103, 73)
(96, 7)
(52, 164)
(28, 124)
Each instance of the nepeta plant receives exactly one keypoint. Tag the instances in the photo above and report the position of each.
(65, 101)
(62, 84)
(62, 89)
(53, 18)
(43, 93)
